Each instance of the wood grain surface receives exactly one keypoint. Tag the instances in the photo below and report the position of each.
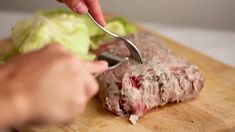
(212, 110)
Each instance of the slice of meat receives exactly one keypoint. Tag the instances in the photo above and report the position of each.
(132, 89)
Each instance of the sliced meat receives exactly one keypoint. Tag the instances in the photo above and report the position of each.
(132, 89)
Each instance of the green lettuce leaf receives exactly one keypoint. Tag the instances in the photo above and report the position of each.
(52, 27)
(77, 33)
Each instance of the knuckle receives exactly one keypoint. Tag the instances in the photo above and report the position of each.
(78, 6)
(65, 56)
(75, 3)
(60, 57)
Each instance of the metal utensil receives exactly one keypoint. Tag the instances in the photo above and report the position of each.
(113, 60)
(131, 47)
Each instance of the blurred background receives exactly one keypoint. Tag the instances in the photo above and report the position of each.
(219, 14)
(205, 25)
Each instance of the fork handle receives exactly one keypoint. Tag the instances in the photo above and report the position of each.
(101, 27)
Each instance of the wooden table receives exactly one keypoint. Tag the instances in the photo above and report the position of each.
(213, 110)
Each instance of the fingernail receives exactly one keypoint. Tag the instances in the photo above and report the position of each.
(103, 63)
(81, 8)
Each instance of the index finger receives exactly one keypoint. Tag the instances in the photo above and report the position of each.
(95, 10)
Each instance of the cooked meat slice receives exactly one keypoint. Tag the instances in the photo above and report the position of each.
(132, 89)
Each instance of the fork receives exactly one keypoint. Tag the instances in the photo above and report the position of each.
(135, 53)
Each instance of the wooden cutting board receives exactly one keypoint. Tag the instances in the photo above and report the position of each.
(213, 110)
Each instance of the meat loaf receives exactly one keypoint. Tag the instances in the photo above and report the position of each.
(132, 89)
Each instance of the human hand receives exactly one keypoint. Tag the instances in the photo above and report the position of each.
(47, 86)
(83, 6)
